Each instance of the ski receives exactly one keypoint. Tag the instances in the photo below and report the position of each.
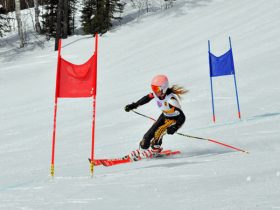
(110, 162)
(127, 159)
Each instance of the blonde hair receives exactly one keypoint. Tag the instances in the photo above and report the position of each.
(178, 90)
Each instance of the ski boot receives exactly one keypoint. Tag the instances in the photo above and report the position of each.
(156, 150)
(156, 146)
(140, 154)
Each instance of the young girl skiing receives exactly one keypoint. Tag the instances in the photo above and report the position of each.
(171, 119)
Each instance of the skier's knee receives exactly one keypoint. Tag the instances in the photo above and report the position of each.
(144, 144)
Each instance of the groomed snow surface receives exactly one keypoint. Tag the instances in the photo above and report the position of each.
(173, 42)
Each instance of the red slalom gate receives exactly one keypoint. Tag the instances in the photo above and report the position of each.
(75, 81)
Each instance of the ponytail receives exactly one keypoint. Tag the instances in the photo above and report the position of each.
(178, 90)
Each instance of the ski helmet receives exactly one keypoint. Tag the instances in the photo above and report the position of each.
(160, 83)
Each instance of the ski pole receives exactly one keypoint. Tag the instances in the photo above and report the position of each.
(199, 138)
(144, 115)
(214, 141)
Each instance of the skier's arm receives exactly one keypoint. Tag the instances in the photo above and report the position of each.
(140, 102)
(145, 99)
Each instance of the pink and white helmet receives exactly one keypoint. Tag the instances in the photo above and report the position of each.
(160, 83)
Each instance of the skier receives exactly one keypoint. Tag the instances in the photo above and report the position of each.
(171, 119)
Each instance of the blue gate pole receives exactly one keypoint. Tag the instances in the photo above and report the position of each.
(236, 92)
(212, 96)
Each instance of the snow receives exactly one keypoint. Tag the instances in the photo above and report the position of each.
(172, 42)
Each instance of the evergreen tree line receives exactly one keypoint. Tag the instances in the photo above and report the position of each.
(57, 17)
(98, 15)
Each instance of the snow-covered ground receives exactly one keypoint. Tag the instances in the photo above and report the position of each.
(174, 42)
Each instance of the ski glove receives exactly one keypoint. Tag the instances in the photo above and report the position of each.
(172, 129)
(129, 107)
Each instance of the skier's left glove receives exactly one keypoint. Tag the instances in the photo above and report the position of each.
(172, 129)
(129, 107)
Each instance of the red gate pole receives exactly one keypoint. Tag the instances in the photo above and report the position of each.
(55, 108)
(93, 134)
(94, 105)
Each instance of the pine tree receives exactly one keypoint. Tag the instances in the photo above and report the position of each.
(49, 18)
(58, 23)
(98, 19)
(111, 8)
(71, 19)
(88, 11)
(66, 21)
(97, 15)
(65, 18)
(68, 17)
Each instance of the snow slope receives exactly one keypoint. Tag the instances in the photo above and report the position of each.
(174, 42)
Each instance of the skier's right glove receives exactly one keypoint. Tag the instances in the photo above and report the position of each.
(172, 129)
(129, 107)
